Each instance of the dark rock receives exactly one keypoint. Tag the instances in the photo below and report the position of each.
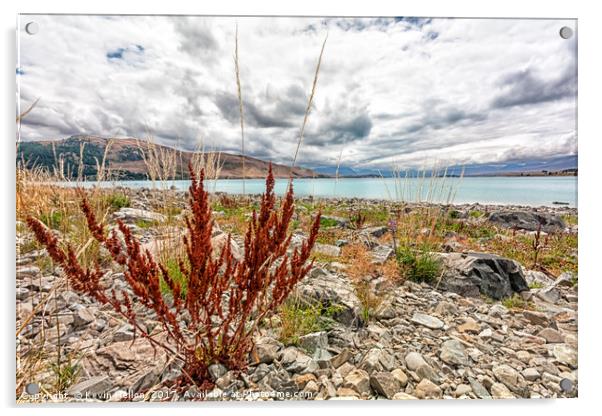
(472, 274)
(528, 220)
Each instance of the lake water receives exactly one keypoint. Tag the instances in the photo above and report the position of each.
(533, 191)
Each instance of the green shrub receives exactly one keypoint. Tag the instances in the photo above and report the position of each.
(52, 219)
(173, 267)
(418, 267)
(118, 201)
(298, 319)
(328, 222)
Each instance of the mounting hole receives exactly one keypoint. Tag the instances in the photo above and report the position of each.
(566, 385)
(566, 32)
(32, 389)
(32, 28)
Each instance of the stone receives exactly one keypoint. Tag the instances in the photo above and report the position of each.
(478, 389)
(534, 277)
(327, 250)
(124, 333)
(426, 389)
(565, 355)
(531, 374)
(380, 254)
(265, 350)
(302, 364)
(400, 376)
(426, 371)
(551, 336)
(507, 375)
(462, 389)
(28, 272)
(219, 242)
(469, 326)
(22, 293)
(528, 220)
(377, 359)
(328, 289)
(446, 308)
(341, 358)
(414, 360)
(385, 384)
(549, 294)
(500, 391)
(322, 357)
(132, 215)
(536, 318)
(473, 274)
(427, 320)
(216, 371)
(313, 341)
(486, 333)
(376, 232)
(404, 396)
(453, 353)
(498, 311)
(302, 379)
(82, 317)
(359, 381)
(565, 279)
(91, 387)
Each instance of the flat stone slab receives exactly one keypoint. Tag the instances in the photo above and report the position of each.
(427, 320)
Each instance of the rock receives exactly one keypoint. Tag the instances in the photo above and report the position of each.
(426, 389)
(462, 389)
(446, 308)
(22, 293)
(565, 355)
(534, 277)
(479, 389)
(376, 232)
(216, 371)
(359, 381)
(551, 336)
(124, 333)
(528, 220)
(537, 318)
(472, 274)
(400, 376)
(326, 289)
(404, 396)
(385, 384)
(132, 215)
(414, 360)
(507, 375)
(313, 341)
(530, 374)
(82, 317)
(500, 391)
(549, 294)
(27, 272)
(566, 279)
(219, 242)
(302, 364)
(327, 250)
(303, 379)
(380, 254)
(469, 326)
(427, 320)
(265, 350)
(377, 359)
(90, 388)
(498, 311)
(453, 353)
(341, 358)
(322, 357)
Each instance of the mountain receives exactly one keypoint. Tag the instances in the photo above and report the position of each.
(556, 166)
(125, 159)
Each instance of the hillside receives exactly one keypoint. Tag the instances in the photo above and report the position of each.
(125, 160)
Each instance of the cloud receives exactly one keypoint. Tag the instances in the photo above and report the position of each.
(406, 91)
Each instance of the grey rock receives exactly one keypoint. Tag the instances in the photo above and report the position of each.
(124, 333)
(530, 374)
(380, 254)
(22, 293)
(427, 320)
(216, 371)
(472, 274)
(82, 317)
(92, 387)
(565, 355)
(549, 294)
(376, 231)
(551, 336)
(528, 220)
(414, 360)
(358, 380)
(479, 389)
(313, 341)
(265, 351)
(507, 375)
(131, 215)
(446, 308)
(327, 250)
(452, 352)
(27, 272)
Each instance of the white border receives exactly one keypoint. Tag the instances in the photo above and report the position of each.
(590, 374)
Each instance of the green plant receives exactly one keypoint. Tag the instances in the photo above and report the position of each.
(516, 302)
(299, 318)
(118, 201)
(421, 266)
(328, 222)
(535, 285)
(52, 219)
(65, 374)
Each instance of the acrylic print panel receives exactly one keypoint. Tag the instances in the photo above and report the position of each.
(287, 208)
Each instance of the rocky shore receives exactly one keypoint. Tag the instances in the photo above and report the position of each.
(487, 327)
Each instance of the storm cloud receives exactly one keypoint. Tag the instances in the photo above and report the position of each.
(391, 91)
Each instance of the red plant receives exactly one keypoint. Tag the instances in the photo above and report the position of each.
(225, 299)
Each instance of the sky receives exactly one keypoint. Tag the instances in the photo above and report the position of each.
(403, 92)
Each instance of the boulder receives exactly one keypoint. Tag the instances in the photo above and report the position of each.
(327, 250)
(329, 289)
(426, 389)
(472, 274)
(453, 353)
(385, 384)
(132, 215)
(527, 220)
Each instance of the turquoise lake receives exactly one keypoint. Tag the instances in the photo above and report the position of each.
(532, 191)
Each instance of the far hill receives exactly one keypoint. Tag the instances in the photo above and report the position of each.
(125, 159)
